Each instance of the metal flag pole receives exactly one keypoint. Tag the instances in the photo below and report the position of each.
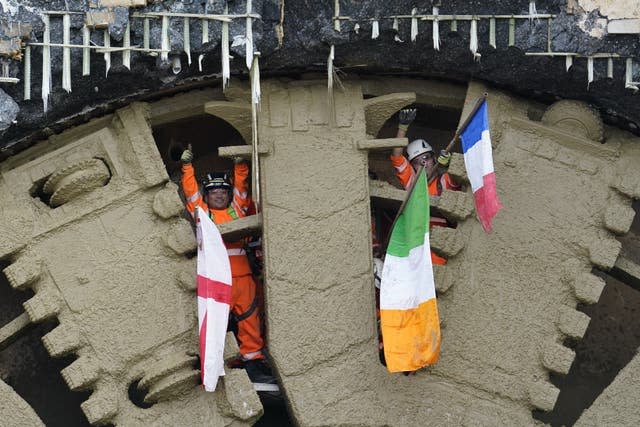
(255, 105)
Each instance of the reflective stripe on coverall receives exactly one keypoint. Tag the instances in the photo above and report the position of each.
(243, 289)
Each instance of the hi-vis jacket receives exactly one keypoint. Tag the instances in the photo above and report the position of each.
(238, 209)
(405, 173)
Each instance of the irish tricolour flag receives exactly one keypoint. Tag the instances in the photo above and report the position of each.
(408, 310)
(214, 298)
(478, 159)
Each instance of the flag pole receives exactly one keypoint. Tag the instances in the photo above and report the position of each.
(404, 203)
(409, 192)
(456, 137)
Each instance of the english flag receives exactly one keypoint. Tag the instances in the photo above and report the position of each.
(214, 298)
(478, 159)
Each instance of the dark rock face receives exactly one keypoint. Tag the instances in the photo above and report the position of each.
(8, 111)
(308, 35)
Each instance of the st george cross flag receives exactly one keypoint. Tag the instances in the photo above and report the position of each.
(214, 298)
(408, 309)
(478, 159)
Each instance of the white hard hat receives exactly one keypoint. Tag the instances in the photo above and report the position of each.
(417, 147)
(377, 272)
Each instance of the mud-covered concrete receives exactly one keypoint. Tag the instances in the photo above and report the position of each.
(617, 404)
(14, 410)
(303, 45)
(111, 263)
(505, 313)
(108, 264)
(523, 344)
(318, 286)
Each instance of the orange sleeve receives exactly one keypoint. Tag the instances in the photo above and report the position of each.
(241, 200)
(438, 260)
(190, 189)
(404, 171)
(449, 183)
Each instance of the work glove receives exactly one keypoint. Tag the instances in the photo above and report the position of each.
(444, 158)
(406, 117)
(187, 156)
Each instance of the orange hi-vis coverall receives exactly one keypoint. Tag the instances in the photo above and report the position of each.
(244, 303)
(405, 173)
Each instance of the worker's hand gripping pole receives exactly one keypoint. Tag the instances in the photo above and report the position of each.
(187, 155)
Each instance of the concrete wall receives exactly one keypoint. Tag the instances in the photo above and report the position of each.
(508, 299)
(15, 410)
(109, 263)
(617, 404)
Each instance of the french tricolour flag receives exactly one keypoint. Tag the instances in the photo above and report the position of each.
(214, 298)
(476, 146)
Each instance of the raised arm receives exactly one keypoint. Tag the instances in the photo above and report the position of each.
(403, 168)
(241, 199)
(190, 184)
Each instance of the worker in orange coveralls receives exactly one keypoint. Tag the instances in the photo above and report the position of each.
(222, 207)
(420, 153)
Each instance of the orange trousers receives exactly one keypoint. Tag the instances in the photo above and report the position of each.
(243, 292)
